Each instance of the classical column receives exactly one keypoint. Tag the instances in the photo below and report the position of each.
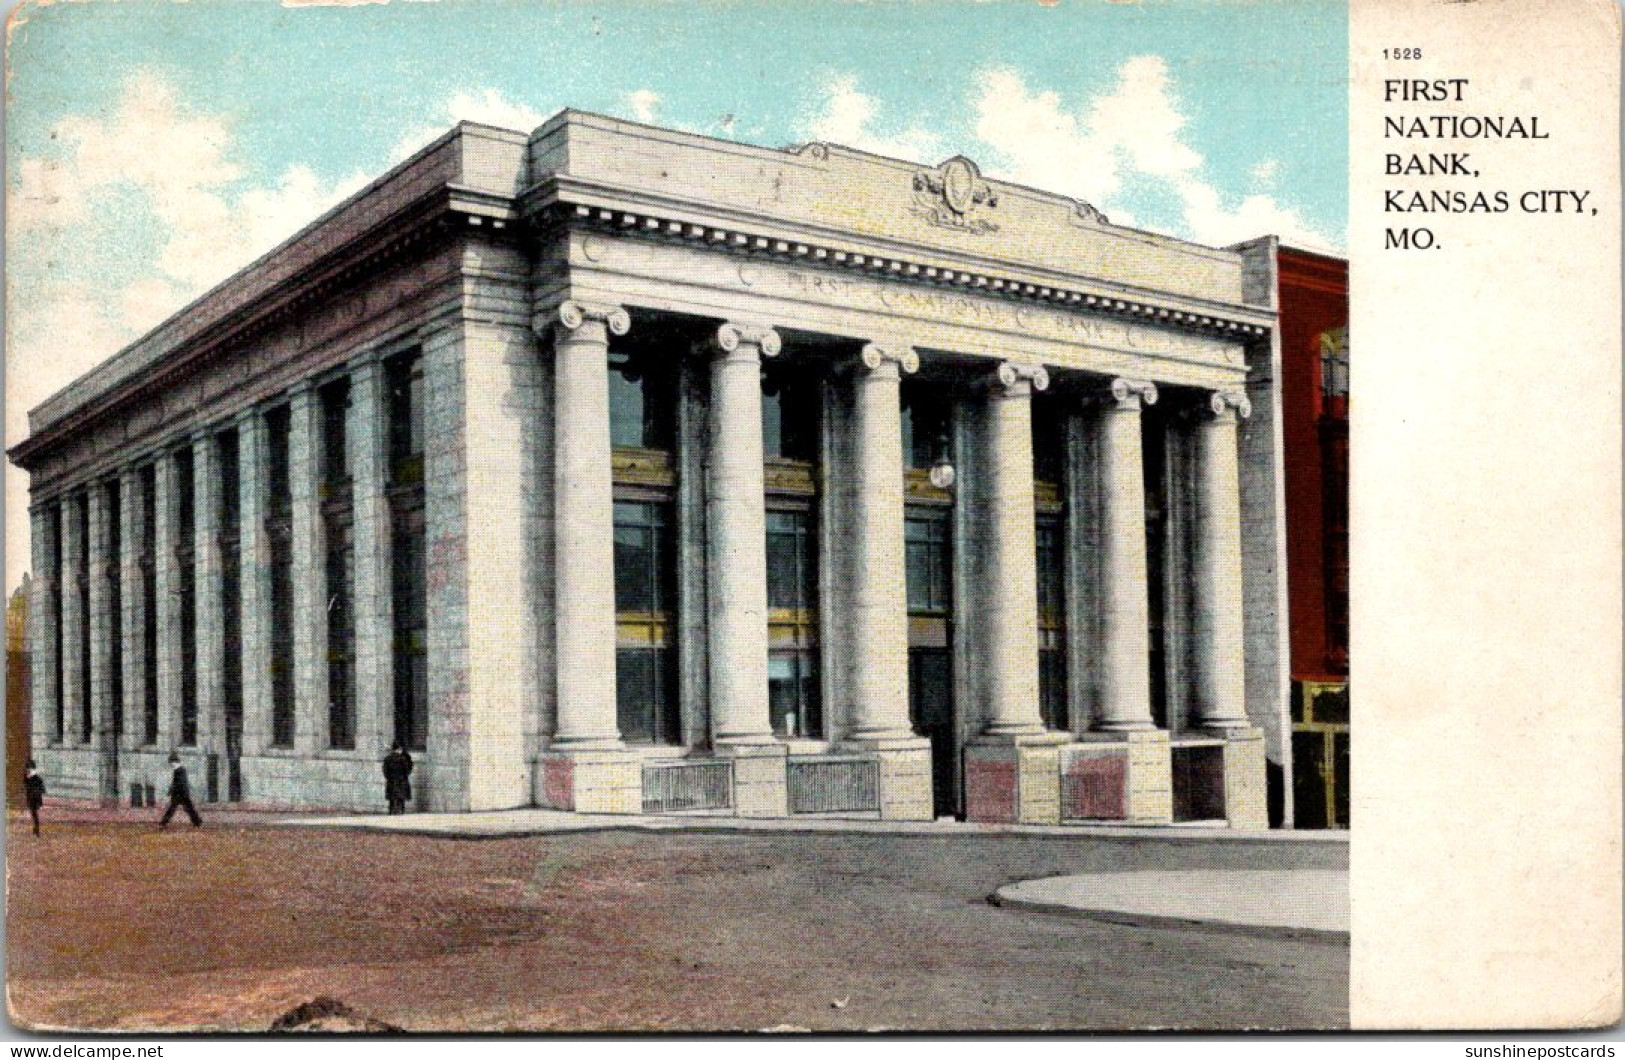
(167, 589)
(1217, 651)
(73, 621)
(736, 539)
(1010, 569)
(585, 528)
(209, 626)
(133, 620)
(101, 570)
(366, 436)
(1123, 668)
(309, 595)
(46, 556)
(253, 581)
(879, 709)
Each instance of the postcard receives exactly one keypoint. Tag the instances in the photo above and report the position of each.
(848, 517)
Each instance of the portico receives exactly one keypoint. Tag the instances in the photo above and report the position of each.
(627, 470)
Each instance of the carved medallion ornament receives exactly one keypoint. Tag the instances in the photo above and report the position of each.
(954, 195)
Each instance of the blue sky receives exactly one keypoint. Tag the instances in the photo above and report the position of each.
(154, 147)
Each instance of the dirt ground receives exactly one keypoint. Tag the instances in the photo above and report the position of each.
(112, 924)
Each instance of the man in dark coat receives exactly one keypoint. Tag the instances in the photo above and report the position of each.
(397, 782)
(180, 795)
(34, 791)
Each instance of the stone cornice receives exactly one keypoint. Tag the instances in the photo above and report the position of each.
(1228, 321)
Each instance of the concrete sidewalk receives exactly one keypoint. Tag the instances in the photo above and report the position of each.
(532, 822)
(1312, 902)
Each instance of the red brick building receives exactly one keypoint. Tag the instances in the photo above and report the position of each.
(1314, 306)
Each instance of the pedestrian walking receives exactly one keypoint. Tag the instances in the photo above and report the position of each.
(180, 795)
(397, 778)
(34, 792)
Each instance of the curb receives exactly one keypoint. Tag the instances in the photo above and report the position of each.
(1155, 920)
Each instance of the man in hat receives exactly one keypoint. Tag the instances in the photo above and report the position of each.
(180, 795)
(34, 791)
(397, 778)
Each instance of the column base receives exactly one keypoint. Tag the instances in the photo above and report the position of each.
(760, 784)
(1123, 775)
(904, 773)
(1246, 802)
(1014, 778)
(590, 781)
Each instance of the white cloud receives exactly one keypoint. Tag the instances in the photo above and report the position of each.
(844, 115)
(1265, 173)
(644, 103)
(1133, 132)
(180, 166)
(1036, 140)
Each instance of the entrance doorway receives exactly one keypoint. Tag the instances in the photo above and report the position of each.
(931, 710)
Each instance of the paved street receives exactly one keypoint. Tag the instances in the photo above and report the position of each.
(113, 924)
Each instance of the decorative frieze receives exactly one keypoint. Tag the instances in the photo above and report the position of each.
(917, 272)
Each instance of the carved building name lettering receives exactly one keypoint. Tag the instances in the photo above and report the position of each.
(987, 313)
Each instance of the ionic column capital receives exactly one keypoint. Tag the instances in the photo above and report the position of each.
(875, 355)
(731, 336)
(1016, 378)
(1130, 395)
(572, 315)
(1222, 402)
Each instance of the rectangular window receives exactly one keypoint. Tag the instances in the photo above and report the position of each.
(790, 402)
(642, 400)
(403, 379)
(59, 569)
(278, 490)
(792, 561)
(645, 595)
(279, 534)
(925, 425)
(337, 514)
(644, 688)
(1052, 688)
(340, 631)
(1153, 439)
(1049, 439)
(335, 399)
(1051, 622)
(411, 614)
(231, 603)
(793, 701)
(82, 560)
(409, 587)
(643, 568)
(1051, 573)
(149, 604)
(925, 540)
(185, 553)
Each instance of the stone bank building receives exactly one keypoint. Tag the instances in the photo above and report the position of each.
(615, 469)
